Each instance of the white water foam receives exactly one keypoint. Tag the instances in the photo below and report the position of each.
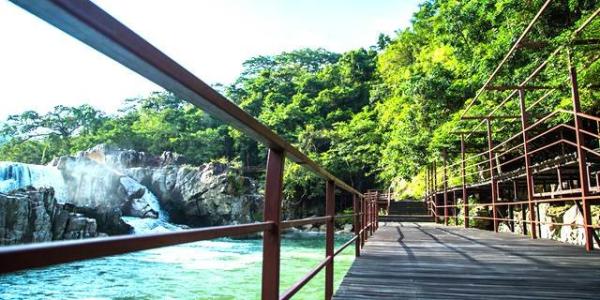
(15, 175)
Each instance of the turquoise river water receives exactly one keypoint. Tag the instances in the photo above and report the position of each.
(216, 269)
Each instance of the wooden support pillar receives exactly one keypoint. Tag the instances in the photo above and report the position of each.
(272, 213)
(356, 225)
(493, 186)
(528, 173)
(445, 184)
(329, 212)
(464, 182)
(581, 156)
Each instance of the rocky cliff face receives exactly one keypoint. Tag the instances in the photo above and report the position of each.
(210, 194)
(33, 215)
(123, 190)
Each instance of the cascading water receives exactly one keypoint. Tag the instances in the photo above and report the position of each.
(15, 175)
(146, 225)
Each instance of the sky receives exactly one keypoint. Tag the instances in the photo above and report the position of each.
(41, 67)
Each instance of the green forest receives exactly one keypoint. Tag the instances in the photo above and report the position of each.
(373, 117)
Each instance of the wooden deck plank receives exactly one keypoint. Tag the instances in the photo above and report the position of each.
(429, 261)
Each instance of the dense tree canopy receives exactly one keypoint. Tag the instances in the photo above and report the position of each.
(372, 116)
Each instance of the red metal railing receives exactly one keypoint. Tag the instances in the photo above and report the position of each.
(93, 26)
(549, 134)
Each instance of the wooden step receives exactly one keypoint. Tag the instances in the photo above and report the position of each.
(406, 218)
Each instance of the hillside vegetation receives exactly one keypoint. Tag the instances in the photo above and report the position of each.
(371, 116)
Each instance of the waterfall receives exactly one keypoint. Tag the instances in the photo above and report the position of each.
(15, 175)
(147, 225)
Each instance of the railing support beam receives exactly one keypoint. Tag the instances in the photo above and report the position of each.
(528, 173)
(464, 182)
(581, 156)
(445, 184)
(330, 212)
(435, 199)
(272, 213)
(356, 225)
(493, 186)
(363, 223)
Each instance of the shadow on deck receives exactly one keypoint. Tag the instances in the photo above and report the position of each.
(429, 261)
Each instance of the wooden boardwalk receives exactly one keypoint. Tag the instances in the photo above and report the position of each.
(429, 261)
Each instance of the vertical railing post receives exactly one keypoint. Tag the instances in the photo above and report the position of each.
(528, 174)
(435, 200)
(427, 187)
(431, 206)
(272, 213)
(376, 215)
(431, 203)
(370, 202)
(492, 177)
(454, 207)
(445, 184)
(372, 215)
(515, 199)
(363, 208)
(356, 225)
(329, 212)
(389, 201)
(581, 156)
(464, 182)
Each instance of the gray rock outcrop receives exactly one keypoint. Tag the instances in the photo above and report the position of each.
(126, 190)
(210, 194)
(33, 215)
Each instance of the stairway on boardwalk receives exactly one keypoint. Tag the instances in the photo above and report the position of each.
(407, 211)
